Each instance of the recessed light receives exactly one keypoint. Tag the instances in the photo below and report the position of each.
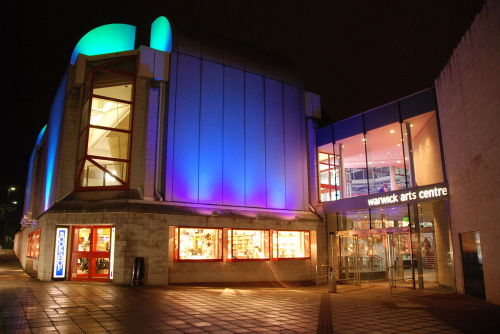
(392, 131)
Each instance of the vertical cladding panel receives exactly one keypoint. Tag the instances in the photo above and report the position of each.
(169, 129)
(255, 141)
(275, 153)
(187, 127)
(211, 122)
(293, 149)
(233, 137)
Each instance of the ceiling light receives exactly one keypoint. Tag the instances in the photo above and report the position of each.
(392, 131)
(411, 124)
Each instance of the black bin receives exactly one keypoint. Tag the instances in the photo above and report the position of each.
(137, 272)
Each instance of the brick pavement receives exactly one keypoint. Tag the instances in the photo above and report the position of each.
(30, 306)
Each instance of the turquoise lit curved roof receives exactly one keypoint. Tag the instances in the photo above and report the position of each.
(161, 35)
(109, 38)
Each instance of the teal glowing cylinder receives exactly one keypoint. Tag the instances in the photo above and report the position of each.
(161, 35)
(109, 38)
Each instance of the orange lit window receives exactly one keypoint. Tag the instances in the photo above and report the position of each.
(198, 244)
(33, 244)
(291, 245)
(248, 244)
(106, 125)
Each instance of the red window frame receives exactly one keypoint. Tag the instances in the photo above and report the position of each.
(80, 161)
(92, 255)
(231, 243)
(177, 240)
(330, 188)
(277, 258)
(33, 250)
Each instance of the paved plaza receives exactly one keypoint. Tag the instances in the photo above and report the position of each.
(31, 306)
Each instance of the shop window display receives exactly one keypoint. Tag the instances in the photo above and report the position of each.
(198, 244)
(291, 245)
(248, 244)
(33, 250)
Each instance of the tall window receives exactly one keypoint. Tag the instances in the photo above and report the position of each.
(329, 176)
(105, 126)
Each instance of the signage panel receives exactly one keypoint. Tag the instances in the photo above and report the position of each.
(60, 253)
(112, 255)
(409, 196)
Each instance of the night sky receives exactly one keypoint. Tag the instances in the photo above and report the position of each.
(355, 54)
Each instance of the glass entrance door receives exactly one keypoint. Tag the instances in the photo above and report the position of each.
(90, 256)
(375, 256)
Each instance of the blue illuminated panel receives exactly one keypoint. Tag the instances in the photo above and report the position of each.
(255, 141)
(109, 38)
(29, 181)
(170, 129)
(275, 146)
(187, 125)
(53, 134)
(161, 35)
(60, 252)
(234, 140)
(211, 122)
(293, 149)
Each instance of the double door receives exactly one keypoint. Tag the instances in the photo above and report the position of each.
(90, 253)
(375, 256)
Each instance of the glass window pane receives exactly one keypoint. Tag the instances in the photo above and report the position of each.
(424, 153)
(110, 114)
(102, 266)
(82, 266)
(112, 85)
(293, 244)
(107, 143)
(396, 216)
(385, 159)
(353, 220)
(103, 239)
(352, 160)
(83, 241)
(328, 174)
(92, 176)
(199, 244)
(250, 244)
(121, 92)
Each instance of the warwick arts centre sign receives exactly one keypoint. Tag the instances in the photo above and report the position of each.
(398, 197)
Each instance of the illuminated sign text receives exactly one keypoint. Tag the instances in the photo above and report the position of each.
(60, 252)
(431, 193)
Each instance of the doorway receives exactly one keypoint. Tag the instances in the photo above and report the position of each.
(377, 254)
(91, 253)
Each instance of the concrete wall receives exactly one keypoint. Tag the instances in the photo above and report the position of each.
(427, 154)
(241, 271)
(149, 235)
(469, 109)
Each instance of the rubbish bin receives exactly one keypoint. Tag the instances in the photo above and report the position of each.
(332, 284)
(137, 272)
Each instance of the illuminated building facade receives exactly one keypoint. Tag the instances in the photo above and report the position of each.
(201, 156)
(190, 153)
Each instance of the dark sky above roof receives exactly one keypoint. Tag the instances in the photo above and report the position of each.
(355, 54)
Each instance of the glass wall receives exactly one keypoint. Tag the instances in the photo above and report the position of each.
(104, 143)
(396, 216)
(353, 172)
(386, 154)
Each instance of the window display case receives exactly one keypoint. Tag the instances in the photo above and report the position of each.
(33, 244)
(248, 244)
(198, 244)
(291, 245)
